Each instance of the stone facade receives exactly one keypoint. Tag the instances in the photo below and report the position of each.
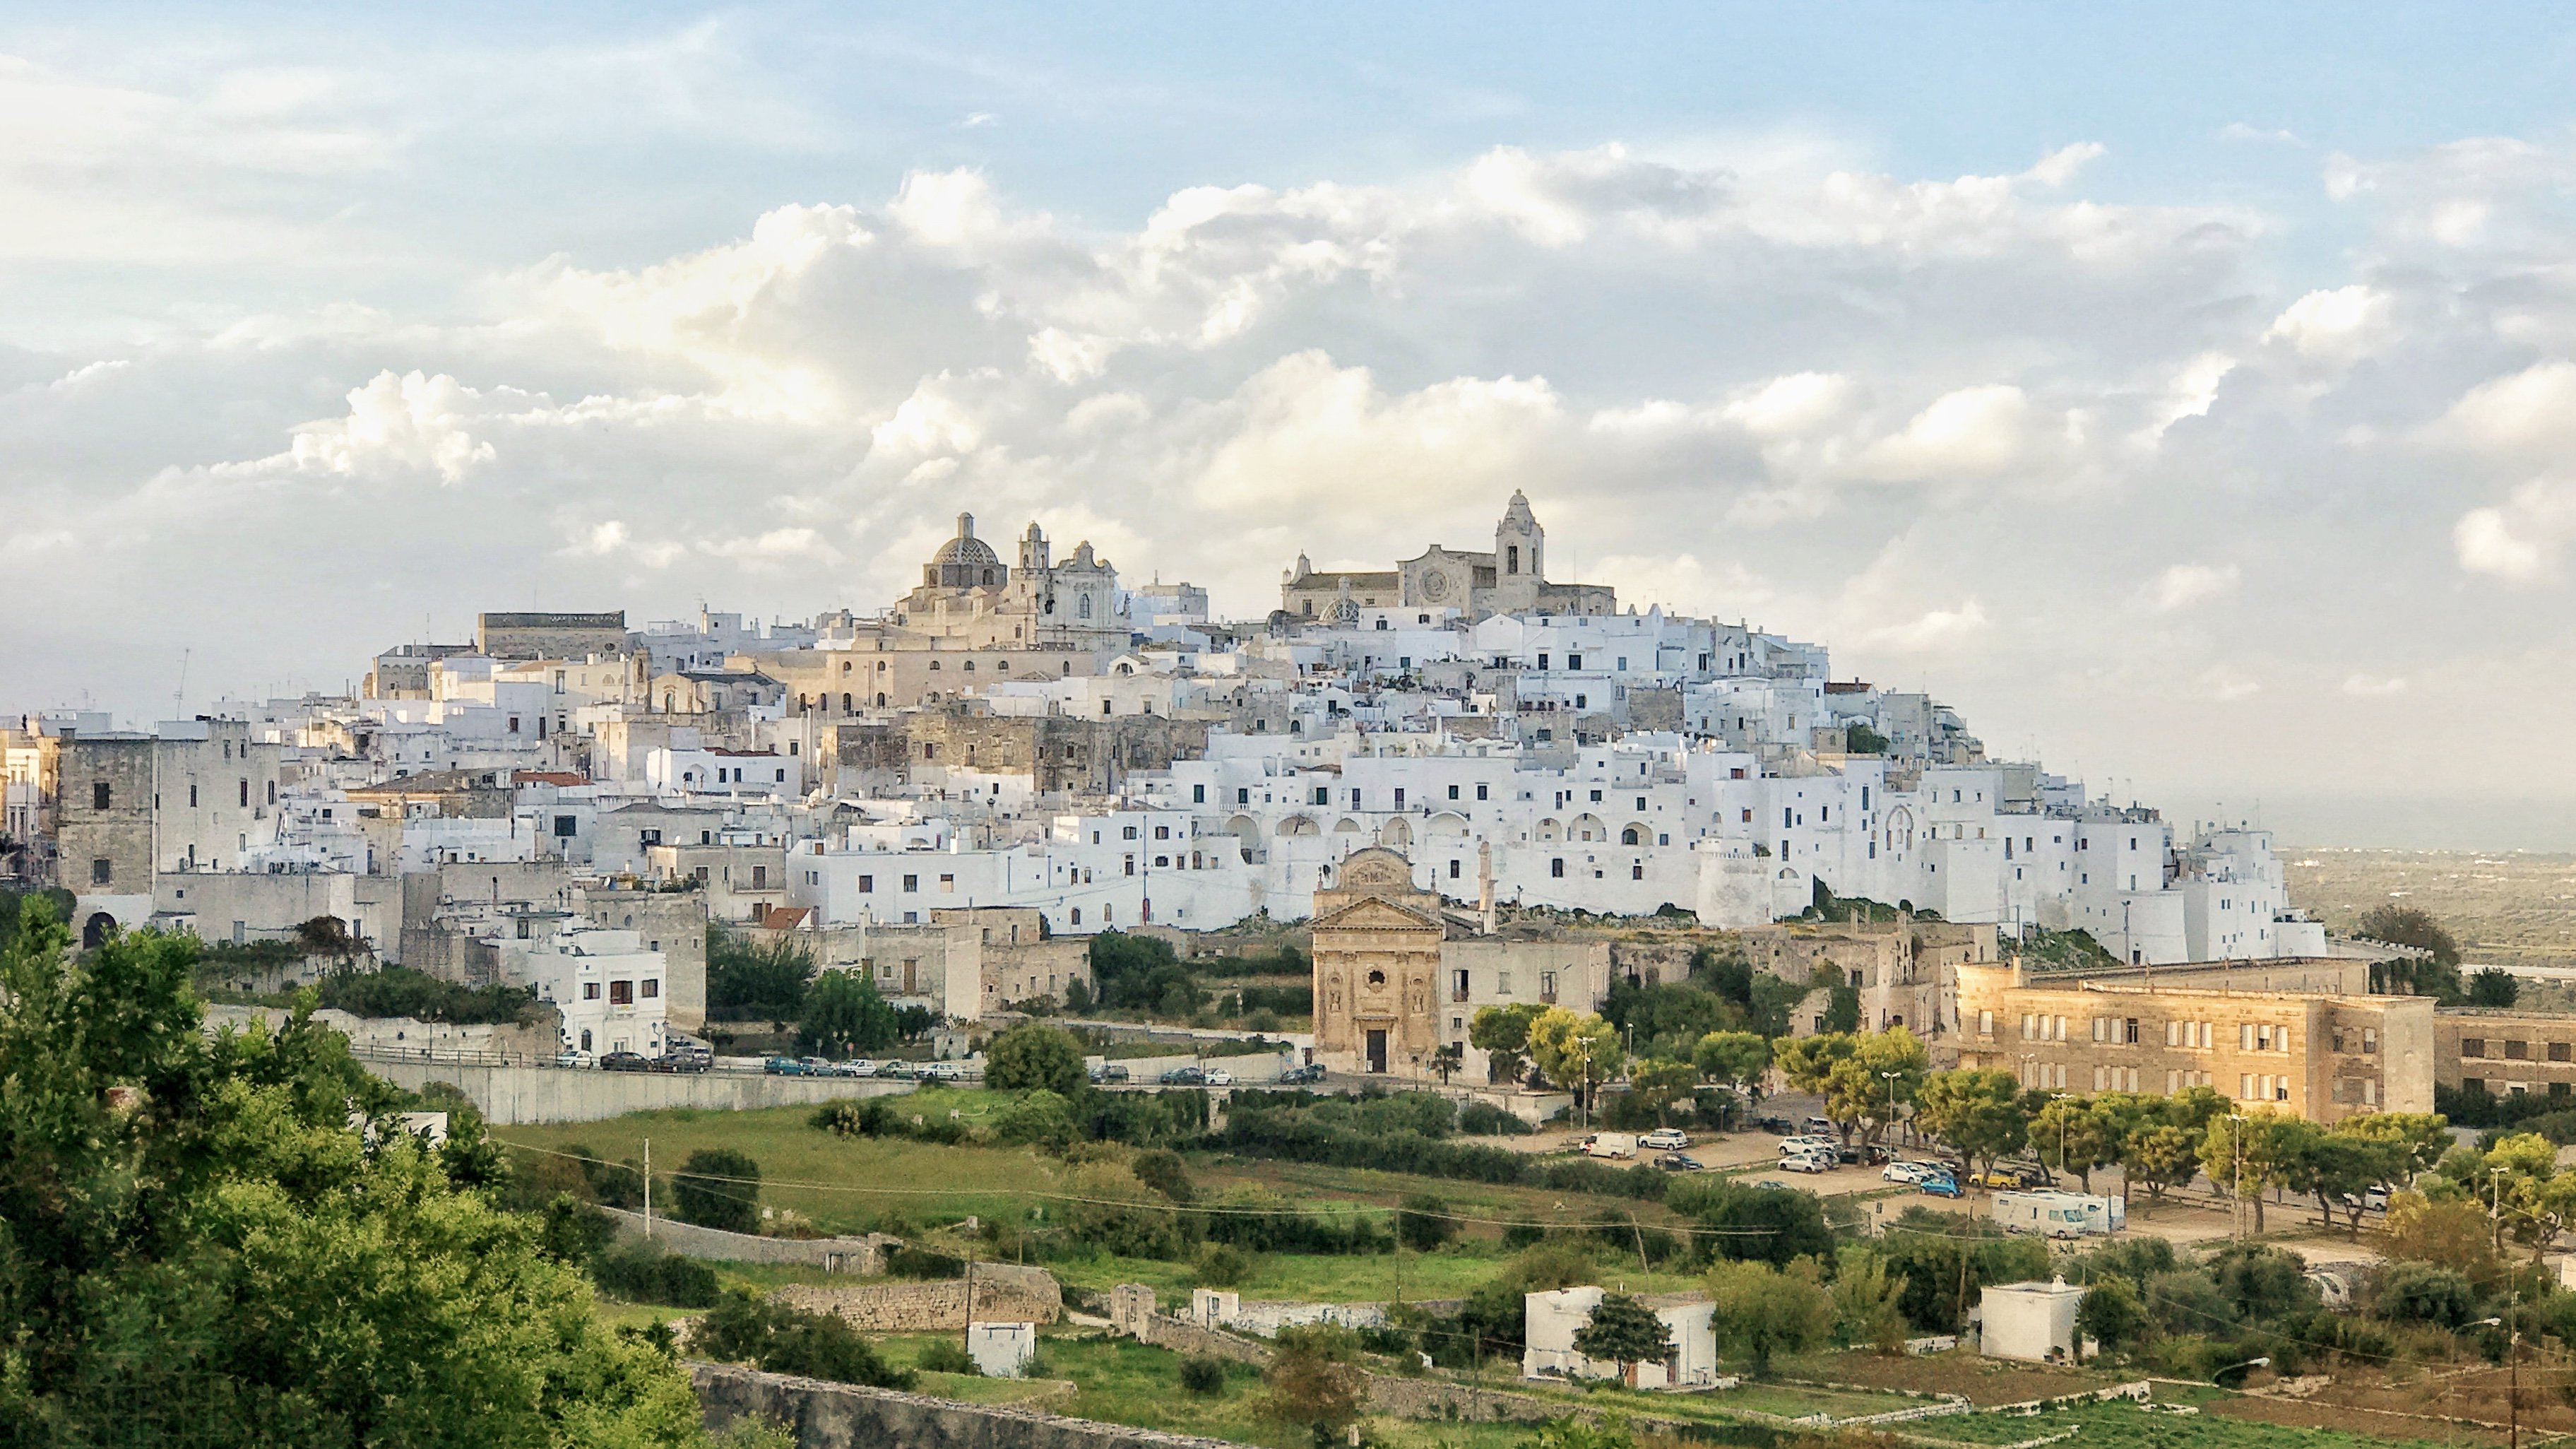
(2323, 1057)
(550, 636)
(1003, 1292)
(1510, 579)
(2507, 1053)
(1377, 964)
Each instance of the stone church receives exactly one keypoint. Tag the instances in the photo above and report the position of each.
(1378, 941)
(972, 599)
(1510, 580)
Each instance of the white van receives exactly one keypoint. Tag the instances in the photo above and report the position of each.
(1610, 1144)
(2056, 1214)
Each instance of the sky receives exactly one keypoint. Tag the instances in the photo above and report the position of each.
(2185, 393)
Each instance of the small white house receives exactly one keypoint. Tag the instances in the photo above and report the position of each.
(2058, 1214)
(1001, 1350)
(1551, 1320)
(2032, 1321)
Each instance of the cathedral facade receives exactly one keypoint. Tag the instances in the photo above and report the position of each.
(1510, 580)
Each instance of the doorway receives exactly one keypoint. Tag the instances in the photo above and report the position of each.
(1377, 1051)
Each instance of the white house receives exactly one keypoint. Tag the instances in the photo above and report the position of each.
(1551, 1320)
(2034, 1321)
(607, 984)
(1001, 1350)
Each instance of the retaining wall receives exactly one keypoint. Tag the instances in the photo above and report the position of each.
(841, 1416)
(863, 1256)
(1004, 1293)
(521, 1096)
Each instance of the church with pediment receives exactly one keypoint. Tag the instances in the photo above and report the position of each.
(1510, 580)
(1378, 941)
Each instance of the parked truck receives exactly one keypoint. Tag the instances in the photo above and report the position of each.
(2056, 1214)
(1610, 1144)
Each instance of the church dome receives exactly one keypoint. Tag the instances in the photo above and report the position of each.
(965, 548)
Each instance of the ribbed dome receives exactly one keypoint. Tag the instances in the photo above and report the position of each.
(965, 548)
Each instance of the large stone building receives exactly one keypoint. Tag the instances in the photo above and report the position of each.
(548, 636)
(2506, 1053)
(2301, 1037)
(1511, 579)
(969, 596)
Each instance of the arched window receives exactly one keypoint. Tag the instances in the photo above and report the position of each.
(845, 703)
(1077, 915)
(1512, 558)
(1085, 608)
(970, 666)
(1629, 836)
(988, 576)
(880, 699)
(934, 666)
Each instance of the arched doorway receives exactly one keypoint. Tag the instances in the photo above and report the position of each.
(96, 930)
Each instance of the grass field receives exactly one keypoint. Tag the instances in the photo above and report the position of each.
(2127, 1426)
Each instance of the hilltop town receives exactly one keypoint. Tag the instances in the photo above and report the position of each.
(1454, 1002)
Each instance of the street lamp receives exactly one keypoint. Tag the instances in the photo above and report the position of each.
(1890, 1079)
(2513, 1383)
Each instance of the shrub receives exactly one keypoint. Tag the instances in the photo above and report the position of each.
(1203, 1375)
(1423, 1223)
(867, 1117)
(1042, 1118)
(2423, 1293)
(945, 1356)
(1484, 1119)
(1031, 1057)
(642, 1273)
(1222, 1265)
(907, 1261)
(742, 1328)
(718, 1188)
(1165, 1172)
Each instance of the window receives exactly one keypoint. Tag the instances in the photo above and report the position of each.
(911, 883)
(2516, 1051)
(1198, 794)
(621, 993)
(590, 991)
(1454, 867)
(2470, 1046)
(565, 827)
(245, 792)
(1985, 1023)
(192, 797)
(868, 884)
(1556, 867)
(100, 872)
(2369, 1039)
(1547, 985)
(1458, 986)
(1453, 792)
(1399, 797)
(1480, 792)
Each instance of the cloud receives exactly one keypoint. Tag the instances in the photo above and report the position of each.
(2372, 686)
(1975, 432)
(2519, 540)
(2342, 325)
(1934, 629)
(2527, 411)
(406, 424)
(2184, 585)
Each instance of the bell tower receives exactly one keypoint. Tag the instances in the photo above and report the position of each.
(1520, 556)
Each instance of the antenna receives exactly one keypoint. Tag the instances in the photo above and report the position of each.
(179, 696)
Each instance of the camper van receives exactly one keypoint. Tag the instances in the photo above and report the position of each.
(2055, 1214)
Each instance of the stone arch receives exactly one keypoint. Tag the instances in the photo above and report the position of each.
(1447, 822)
(1299, 825)
(1549, 832)
(1244, 826)
(1347, 826)
(1588, 827)
(1636, 832)
(1396, 834)
(96, 930)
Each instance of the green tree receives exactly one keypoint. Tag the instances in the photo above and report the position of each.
(843, 1013)
(1032, 1057)
(2112, 1311)
(1502, 1033)
(2074, 1134)
(1867, 1312)
(718, 1188)
(1314, 1380)
(1624, 1332)
(1577, 1052)
(1445, 1060)
(1979, 1112)
(1740, 1220)
(202, 1248)
(1737, 1059)
(2162, 1157)
(2493, 986)
(2244, 1154)
(745, 1328)
(1759, 1311)
(2410, 926)
(1860, 739)
(755, 981)
(1866, 1089)
(1040, 1118)
(2423, 1136)
(1657, 1085)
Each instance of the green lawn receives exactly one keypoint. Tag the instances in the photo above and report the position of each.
(2126, 1426)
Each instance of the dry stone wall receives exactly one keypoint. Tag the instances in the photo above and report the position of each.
(1003, 1293)
(841, 1416)
(862, 1256)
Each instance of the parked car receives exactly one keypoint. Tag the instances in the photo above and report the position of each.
(855, 1067)
(1609, 1144)
(1185, 1077)
(1807, 1144)
(571, 1058)
(1310, 1072)
(1219, 1077)
(670, 1062)
(1680, 1162)
(622, 1062)
(900, 1071)
(1109, 1072)
(1938, 1186)
(1807, 1162)
(942, 1072)
(1665, 1139)
(1820, 1125)
(1776, 1126)
(1908, 1172)
(785, 1067)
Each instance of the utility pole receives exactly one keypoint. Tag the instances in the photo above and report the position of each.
(648, 1187)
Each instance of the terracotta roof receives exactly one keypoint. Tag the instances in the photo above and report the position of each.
(548, 777)
(784, 918)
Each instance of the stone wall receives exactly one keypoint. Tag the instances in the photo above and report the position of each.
(864, 1256)
(518, 1096)
(1004, 1293)
(841, 1416)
